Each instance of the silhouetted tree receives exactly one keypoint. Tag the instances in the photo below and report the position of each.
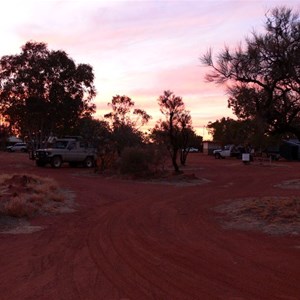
(230, 131)
(263, 77)
(126, 122)
(4, 134)
(189, 139)
(95, 131)
(175, 130)
(243, 132)
(44, 92)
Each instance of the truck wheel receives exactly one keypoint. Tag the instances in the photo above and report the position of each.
(56, 162)
(89, 162)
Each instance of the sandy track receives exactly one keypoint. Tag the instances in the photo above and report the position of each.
(130, 240)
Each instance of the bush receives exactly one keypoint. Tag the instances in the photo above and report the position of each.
(19, 207)
(142, 162)
(23, 195)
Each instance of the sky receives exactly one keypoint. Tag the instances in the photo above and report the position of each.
(141, 48)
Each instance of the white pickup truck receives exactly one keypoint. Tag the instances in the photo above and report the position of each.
(68, 150)
(227, 151)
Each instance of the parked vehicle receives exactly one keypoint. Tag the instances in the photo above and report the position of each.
(17, 147)
(66, 150)
(273, 152)
(192, 149)
(227, 151)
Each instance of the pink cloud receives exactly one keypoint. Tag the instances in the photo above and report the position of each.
(141, 48)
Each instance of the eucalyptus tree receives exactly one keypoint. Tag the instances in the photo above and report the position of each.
(43, 91)
(176, 127)
(126, 122)
(262, 76)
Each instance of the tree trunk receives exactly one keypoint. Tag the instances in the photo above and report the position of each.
(183, 156)
(174, 161)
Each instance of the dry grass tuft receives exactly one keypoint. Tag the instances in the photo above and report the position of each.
(273, 209)
(289, 184)
(23, 195)
(276, 215)
(18, 207)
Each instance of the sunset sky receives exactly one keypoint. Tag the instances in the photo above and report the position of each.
(140, 48)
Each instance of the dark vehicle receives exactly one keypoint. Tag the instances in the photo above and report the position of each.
(290, 149)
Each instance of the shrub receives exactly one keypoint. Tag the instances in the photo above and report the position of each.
(23, 195)
(18, 207)
(142, 162)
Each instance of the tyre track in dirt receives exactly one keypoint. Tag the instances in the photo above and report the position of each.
(139, 270)
(130, 240)
(139, 255)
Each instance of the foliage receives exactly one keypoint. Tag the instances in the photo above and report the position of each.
(241, 132)
(230, 131)
(123, 113)
(142, 161)
(263, 76)
(176, 129)
(4, 135)
(126, 122)
(44, 92)
(24, 195)
(107, 157)
(189, 139)
(97, 132)
(270, 214)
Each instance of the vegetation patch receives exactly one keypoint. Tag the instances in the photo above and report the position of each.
(24, 196)
(138, 162)
(290, 184)
(180, 180)
(273, 215)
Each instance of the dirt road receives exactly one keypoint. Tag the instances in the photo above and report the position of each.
(134, 240)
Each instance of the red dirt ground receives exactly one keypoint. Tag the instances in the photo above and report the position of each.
(135, 240)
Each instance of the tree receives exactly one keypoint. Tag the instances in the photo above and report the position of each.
(44, 92)
(263, 78)
(230, 131)
(175, 130)
(126, 122)
(96, 132)
(242, 132)
(189, 139)
(4, 134)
